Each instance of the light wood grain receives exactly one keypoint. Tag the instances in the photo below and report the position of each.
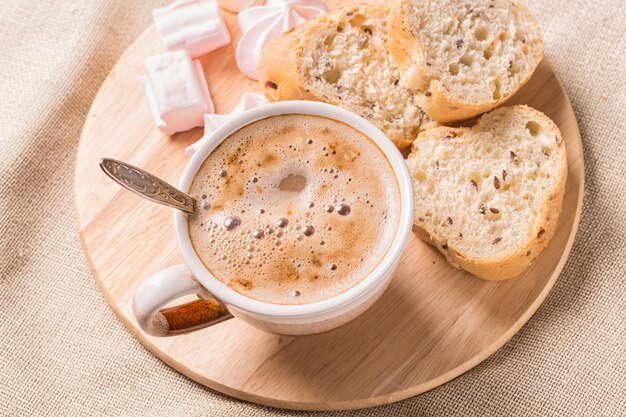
(433, 324)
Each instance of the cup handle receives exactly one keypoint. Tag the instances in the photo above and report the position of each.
(166, 286)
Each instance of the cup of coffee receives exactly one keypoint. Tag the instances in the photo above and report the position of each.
(304, 211)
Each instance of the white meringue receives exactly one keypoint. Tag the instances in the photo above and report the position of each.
(177, 91)
(260, 24)
(195, 26)
(213, 121)
(238, 5)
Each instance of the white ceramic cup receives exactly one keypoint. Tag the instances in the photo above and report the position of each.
(218, 302)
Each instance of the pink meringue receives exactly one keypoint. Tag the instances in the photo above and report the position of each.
(214, 121)
(177, 91)
(260, 24)
(195, 26)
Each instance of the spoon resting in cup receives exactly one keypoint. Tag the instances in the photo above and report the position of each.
(147, 185)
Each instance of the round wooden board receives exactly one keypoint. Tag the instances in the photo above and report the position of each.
(441, 323)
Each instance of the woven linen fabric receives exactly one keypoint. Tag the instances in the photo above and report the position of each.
(64, 352)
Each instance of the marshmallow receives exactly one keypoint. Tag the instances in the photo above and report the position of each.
(177, 91)
(214, 121)
(238, 5)
(195, 26)
(262, 23)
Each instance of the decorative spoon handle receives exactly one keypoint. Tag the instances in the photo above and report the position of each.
(147, 185)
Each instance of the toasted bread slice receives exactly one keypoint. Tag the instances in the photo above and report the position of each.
(464, 57)
(341, 59)
(489, 197)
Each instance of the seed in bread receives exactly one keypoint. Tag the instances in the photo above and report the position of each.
(488, 197)
(341, 59)
(464, 57)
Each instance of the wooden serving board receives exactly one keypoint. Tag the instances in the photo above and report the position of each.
(432, 324)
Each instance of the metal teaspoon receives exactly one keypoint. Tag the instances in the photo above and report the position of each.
(147, 185)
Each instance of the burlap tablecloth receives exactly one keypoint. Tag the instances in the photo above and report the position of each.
(64, 352)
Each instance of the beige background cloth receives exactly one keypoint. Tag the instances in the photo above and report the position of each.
(64, 352)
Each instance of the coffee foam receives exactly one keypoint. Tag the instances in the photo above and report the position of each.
(296, 209)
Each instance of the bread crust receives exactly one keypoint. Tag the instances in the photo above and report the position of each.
(406, 51)
(280, 67)
(516, 262)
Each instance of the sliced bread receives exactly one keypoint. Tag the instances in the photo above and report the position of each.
(464, 57)
(489, 197)
(341, 59)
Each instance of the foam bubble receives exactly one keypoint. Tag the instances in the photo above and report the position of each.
(343, 209)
